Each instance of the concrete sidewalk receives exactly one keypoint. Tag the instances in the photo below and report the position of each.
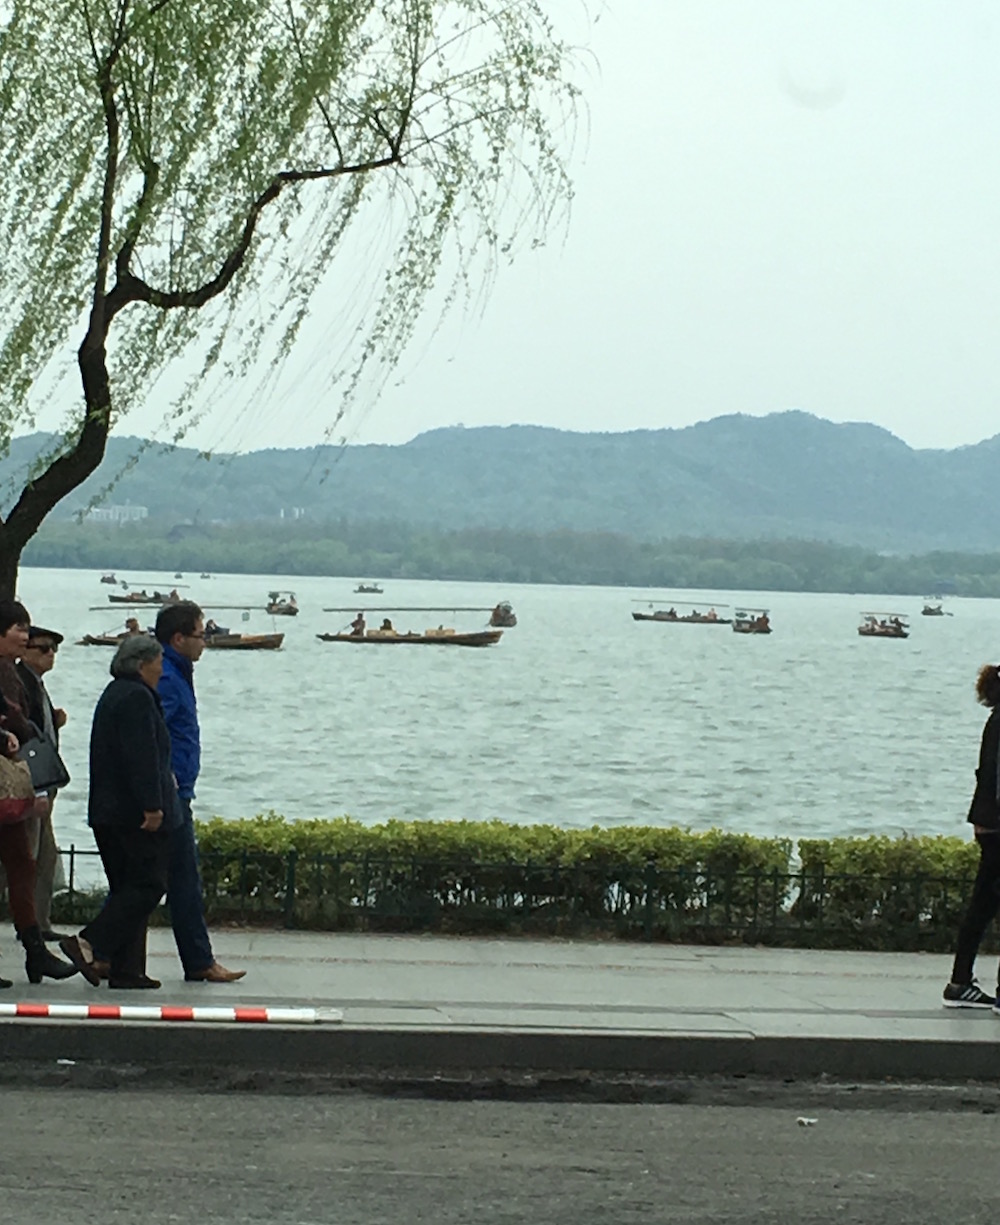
(459, 1006)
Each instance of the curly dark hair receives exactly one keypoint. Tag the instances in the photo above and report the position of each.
(988, 685)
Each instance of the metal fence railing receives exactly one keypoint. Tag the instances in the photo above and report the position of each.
(631, 901)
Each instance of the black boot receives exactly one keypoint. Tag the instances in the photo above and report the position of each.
(39, 961)
(5, 982)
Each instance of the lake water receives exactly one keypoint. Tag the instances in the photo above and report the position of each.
(580, 716)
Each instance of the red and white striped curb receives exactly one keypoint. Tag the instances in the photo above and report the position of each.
(170, 1012)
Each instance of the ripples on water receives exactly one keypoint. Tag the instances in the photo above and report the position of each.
(580, 716)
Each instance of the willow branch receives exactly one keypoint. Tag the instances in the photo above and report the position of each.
(130, 288)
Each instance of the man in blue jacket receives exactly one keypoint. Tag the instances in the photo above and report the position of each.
(180, 628)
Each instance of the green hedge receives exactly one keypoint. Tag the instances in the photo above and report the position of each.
(636, 882)
(486, 874)
(911, 891)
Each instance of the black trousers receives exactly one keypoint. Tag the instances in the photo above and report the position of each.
(982, 909)
(136, 865)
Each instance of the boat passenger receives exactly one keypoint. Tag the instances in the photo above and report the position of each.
(386, 627)
(358, 626)
(132, 626)
(672, 614)
(711, 615)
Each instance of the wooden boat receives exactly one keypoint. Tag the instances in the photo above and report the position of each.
(132, 597)
(933, 607)
(243, 642)
(503, 616)
(672, 615)
(282, 604)
(884, 625)
(224, 641)
(368, 589)
(110, 639)
(143, 597)
(109, 578)
(752, 621)
(437, 638)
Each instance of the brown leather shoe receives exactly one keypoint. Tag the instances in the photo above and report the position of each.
(103, 968)
(82, 956)
(215, 973)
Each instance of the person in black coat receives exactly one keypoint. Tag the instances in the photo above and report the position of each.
(37, 660)
(984, 814)
(132, 809)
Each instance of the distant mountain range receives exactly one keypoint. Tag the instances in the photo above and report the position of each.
(789, 475)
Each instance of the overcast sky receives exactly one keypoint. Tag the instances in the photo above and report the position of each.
(779, 204)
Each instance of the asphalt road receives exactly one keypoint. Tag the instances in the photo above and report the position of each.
(72, 1156)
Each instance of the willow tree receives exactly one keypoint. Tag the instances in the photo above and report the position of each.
(179, 176)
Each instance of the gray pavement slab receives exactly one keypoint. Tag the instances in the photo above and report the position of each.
(460, 1003)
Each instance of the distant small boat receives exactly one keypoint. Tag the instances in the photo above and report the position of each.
(143, 597)
(368, 589)
(933, 607)
(437, 638)
(752, 621)
(205, 574)
(99, 640)
(282, 604)
(243, 642)
(503, 616)
(671, 614)
(109, 578)
(884, 625)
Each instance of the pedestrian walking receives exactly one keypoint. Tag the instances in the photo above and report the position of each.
(132, 809)
(963, 991)
(15, 848)
(37, 660)
(180, 628)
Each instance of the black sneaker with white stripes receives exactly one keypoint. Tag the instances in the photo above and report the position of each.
(967, 995)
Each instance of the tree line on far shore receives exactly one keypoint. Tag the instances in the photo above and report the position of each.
(391, 550)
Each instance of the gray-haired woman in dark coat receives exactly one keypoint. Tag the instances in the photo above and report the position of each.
(132, 809)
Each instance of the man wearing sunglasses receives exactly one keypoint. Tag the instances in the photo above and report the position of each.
(180, 628)
(37, 659)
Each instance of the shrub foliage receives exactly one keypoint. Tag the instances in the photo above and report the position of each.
(634, 882)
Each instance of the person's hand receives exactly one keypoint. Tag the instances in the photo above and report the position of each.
(43, 806)
(13, 744)
(151, 821)
(59, 717)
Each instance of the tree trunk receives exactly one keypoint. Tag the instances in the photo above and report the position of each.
(64, 473)
(10, 559)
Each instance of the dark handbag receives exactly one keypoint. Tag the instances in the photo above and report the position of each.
(40, 755)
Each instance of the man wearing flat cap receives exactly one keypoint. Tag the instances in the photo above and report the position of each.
(38, 658)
